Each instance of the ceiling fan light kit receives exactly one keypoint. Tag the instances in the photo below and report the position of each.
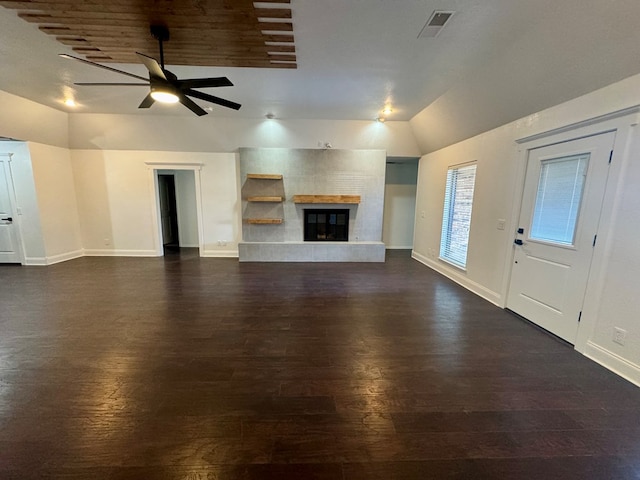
(163, 85)
(163, 95)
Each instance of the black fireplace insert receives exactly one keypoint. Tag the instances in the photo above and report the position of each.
(326, 225)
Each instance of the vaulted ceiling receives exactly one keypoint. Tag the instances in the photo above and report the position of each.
(495, 60)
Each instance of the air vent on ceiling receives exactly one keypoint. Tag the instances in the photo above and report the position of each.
(436, 22)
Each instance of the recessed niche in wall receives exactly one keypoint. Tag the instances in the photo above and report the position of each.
(264, 193)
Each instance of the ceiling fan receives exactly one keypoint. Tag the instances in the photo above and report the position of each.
(164, 85)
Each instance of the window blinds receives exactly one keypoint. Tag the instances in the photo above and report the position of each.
(456, 219)
(558, 199)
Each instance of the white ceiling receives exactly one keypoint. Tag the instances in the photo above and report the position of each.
(354, 55)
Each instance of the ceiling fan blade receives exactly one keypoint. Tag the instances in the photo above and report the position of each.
(147, 102)
(89, 62)
(204, 82)
(152, 65)
(212, 99)
(191, 105)
(112, 84)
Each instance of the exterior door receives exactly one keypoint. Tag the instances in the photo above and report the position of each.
(559, 217)
(9, 244)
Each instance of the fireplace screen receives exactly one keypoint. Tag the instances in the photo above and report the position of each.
(327, 225)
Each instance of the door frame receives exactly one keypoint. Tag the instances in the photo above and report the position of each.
(622, 122)
(153, 168)
(13, 201)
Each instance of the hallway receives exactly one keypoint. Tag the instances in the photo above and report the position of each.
(185, 367)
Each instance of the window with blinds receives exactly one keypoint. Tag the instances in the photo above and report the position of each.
(558, 199)
(456, 219)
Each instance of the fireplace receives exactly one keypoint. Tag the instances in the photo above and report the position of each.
(326, 225)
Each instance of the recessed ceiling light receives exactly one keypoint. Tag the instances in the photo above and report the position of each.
(270, 116)
(387, 110)
(381, 119)
(70, 102)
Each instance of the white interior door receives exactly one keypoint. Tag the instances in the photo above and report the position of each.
(559, 217)
(9, 245)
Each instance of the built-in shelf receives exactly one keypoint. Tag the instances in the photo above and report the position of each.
(264, 221)
(265, 187)
(265, 199)
(351, 199)
(264, 176)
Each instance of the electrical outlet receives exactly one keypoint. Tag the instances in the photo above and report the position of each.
(107, 242)
(619, 335)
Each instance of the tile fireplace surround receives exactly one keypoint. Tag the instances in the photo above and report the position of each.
(272, 227)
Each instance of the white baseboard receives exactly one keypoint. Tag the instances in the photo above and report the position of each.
(120, 253)
(35, 261)
(626, 369)
(220, 253)
(470, 285)
(389, 247)
(63, 257)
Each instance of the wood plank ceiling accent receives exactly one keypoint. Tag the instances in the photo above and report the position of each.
(225, 33)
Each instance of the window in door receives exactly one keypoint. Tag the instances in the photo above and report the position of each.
(456, 219)
(558, 199)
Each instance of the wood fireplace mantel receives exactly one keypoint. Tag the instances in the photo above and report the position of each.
(344, 199)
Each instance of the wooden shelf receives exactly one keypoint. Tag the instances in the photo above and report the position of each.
(264, 176)
(265, 199)
(326, 199)
(264, 221)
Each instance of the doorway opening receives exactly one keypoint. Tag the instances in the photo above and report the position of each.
(177, 212)
(168, 211)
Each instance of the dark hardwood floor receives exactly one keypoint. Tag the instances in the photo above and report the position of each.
(188, 368)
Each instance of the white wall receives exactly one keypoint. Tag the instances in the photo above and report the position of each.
(573, 48)
(186, 207)
(22, 119)
(610, 299)
(114, 195)
(399, 204)
(212, 134)
(117, 200)
(495, 153)
(56, 195)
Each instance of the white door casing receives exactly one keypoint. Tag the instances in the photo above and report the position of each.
(156, 215)
(9, 234)
(551, 265)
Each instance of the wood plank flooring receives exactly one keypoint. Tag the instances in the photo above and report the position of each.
(197, 368)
